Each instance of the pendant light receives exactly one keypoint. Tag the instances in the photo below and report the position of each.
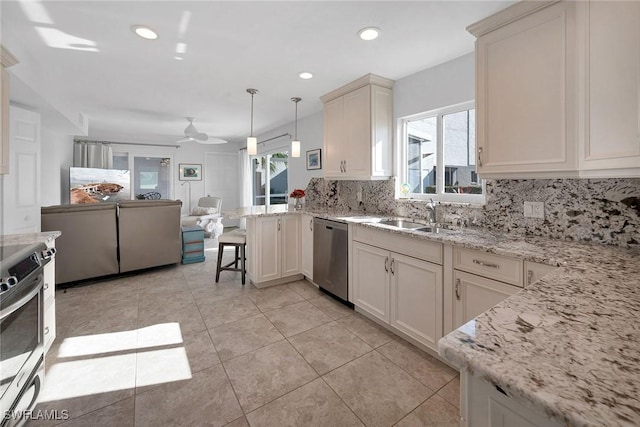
(252, 141)
(295, 144)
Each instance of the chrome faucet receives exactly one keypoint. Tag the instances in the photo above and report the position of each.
(431, 211)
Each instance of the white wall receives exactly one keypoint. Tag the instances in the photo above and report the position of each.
(310, 136)
(57, 157)
(446, 84)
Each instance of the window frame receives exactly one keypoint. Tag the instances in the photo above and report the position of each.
(439, 195)
(267, 153)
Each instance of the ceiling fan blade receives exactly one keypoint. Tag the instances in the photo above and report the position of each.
(200, 137)
(212, 141)
(184, 140)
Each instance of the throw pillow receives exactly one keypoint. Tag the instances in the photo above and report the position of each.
(199, 210)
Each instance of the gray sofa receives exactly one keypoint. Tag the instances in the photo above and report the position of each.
(109, 238)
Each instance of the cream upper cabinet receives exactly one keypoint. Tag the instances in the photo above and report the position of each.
(6, 60)
(358, 130)
(526, 115)
(610, 79)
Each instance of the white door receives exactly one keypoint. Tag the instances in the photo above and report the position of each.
(416, 298)
(21, 187)
(475, 295)
(221, 180)
(269, 260)
(371, 280)
(290, 244)
(306, 243)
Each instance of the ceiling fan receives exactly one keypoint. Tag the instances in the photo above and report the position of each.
(192, 134)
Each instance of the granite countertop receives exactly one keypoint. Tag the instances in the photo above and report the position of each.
(568, 344)
(27, 238)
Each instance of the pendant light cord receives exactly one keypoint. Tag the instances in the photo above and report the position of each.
(251, 115)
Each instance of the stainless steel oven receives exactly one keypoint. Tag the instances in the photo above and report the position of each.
(21, 328)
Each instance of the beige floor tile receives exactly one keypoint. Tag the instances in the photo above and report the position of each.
(206, 399)
(104, 321)
(378, 391)
(187, 317)
(305, 289)
(451, 392)
(274, 297)
(119, 414)
(83, 385)
(366, 330)
(153, 301)
(329, 346)
(240, 422)
(426, 369)
(226, 311)
(313, 404)
(268, 373)
(331, 307)
(296, 318)
(219, 291)
(242, 336)
(434, 412)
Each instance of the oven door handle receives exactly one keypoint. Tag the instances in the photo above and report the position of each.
(22, 301)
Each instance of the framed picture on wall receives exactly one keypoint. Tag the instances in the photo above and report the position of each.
(190, 172)
(314, 159)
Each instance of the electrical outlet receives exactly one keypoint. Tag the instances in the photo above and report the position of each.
(534, 210)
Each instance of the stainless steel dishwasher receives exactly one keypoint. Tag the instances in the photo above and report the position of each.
(330, 257)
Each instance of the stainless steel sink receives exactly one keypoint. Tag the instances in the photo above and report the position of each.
(402, 223)
(429, 229)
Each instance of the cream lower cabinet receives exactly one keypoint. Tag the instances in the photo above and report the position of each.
(475, 294)
(306, 245)
(484, 405)
(400, 290)
(273, 246)
(49, 301)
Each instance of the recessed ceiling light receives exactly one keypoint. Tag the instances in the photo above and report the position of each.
(369, 33)
(145, 32)
(306, 75)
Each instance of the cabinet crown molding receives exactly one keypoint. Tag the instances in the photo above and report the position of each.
(7, 57)
(507, 16)
(368, 79)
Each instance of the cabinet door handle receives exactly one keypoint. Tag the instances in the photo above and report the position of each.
(386, 264)
(479, 156)
(458, 289)
(46, 330)
(529, 277)
(311, 224)
(393, 261)
(486, 264)
(345, 166)
(278, 225)
(46, 286)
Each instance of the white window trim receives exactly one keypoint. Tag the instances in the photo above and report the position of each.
(440, 195)
(267, 153)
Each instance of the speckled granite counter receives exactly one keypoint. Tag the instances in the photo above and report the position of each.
(27, 238)
(569, 344)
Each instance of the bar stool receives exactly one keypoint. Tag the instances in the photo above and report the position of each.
(237, 238)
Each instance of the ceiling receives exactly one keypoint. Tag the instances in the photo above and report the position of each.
(83, 57)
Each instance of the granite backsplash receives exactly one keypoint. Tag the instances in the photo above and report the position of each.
(598, 210)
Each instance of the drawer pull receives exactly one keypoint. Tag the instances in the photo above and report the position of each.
(458, 289)
(46, 330)
(486, 264)
(386, 264)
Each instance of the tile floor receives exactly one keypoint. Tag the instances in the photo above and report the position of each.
(171, 347)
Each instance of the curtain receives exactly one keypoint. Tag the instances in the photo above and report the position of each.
(245, 182)
(91, 154)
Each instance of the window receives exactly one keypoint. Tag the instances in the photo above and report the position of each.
(439, 155)
(270, 177)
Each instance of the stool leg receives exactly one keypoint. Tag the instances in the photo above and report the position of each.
(236, 263)
(220, 250)
(242, 250)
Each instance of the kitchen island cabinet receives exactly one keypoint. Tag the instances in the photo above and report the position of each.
(273, 249)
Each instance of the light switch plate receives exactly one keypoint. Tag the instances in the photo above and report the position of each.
(534, 210)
